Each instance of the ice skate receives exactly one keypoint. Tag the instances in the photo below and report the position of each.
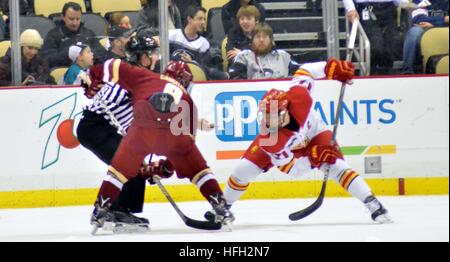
(379, 213)
(125, 222)
(221, 210)
(117, 221)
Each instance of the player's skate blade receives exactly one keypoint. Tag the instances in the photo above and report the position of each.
(121, 228)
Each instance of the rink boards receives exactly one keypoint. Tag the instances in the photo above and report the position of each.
(394, 132)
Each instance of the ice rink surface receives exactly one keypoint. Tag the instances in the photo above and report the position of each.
(416, 218)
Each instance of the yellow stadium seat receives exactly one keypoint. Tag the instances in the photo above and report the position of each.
(4, 45)
(106, 6)
(208, 4)
(434, 41)
(48, 7)
(197, 72)
(224, 54)
(442, 66)
(58, 74)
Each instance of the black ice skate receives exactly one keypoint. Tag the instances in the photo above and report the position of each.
(117, 221)
(221, 210)
(126, 222)
(379, 213)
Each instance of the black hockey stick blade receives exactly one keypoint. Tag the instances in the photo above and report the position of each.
(313, 207)
(204, 225)
(307, 211)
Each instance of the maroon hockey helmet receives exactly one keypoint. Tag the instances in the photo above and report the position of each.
(179, 71)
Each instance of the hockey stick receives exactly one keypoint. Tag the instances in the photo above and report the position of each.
(314, 206)
(205, 225)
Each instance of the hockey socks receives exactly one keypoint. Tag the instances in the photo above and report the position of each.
(234, 190)
(110, 188)
(354, 184)
(206, 183)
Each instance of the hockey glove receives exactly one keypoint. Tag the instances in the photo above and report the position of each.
(91, 88)
(161, 168)
(321, 154)
(342, 71)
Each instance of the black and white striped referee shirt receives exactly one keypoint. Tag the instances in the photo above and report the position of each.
(117, 99)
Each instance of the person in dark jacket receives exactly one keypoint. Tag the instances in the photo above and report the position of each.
(149, 15)
(67, 33)
(118, 38)
(26, 7)
(229, 12)
(34, 69)
(240, 37)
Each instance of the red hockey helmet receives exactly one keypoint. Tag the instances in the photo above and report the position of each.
(179, 71)
(273, 110)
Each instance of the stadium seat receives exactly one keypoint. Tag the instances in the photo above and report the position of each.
(208, 4)
(434, 41)
(95, 22)
(48, 7)
(4, 45)
(58, 74)
(442, 66)
(106, 6)
(197, 72)
(214, 27)
(42, 24)
(224, 54)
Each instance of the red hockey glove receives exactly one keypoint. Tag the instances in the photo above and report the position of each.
(320, 154)
(91, 91)
(161, 168)
(342, 71)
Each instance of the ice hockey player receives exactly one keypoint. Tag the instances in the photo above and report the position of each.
(302, 140)
(98, 133)
(153, 130)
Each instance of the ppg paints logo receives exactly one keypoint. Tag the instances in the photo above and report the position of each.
(236, 115)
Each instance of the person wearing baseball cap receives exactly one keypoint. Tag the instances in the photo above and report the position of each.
(82, 58)
(118, 38)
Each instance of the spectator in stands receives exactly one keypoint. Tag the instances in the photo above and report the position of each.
(34, 69)
(68, 32)
(379, 19)
(118, 38)
(82, 58)
(263, 60)
(188, 45)
(149, 15)
(422, 19)
(230, 10)
(120, 19)
(240, 37)
(26, 8)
